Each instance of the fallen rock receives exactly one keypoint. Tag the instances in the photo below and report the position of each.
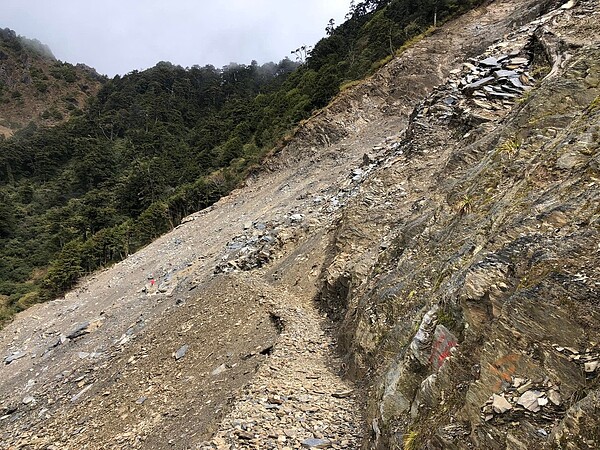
(591, 366)
(219, 370)
(181, 352)
(316, 443)
(343, 394)
(500, 405)
(529, 400)
(14, 357)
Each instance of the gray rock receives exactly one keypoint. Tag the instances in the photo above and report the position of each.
(181, 352)
(501, 95)
(316, 443)
(472, 87)
(79, 330)
(505, 74)
(80, 394)
(219, 370)
(489, 62)
(14, 357)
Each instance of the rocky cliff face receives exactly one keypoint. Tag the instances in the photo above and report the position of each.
(476, 322)
(438, 222)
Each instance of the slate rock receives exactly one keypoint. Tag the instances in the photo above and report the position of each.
(529, 400)
(14, 357)
(489, 62)
(79, 330)
(505, 74)
(316, 443)
(500, 405)
(181, 352)
(472, 87)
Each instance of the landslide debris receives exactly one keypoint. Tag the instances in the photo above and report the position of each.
(451, 242)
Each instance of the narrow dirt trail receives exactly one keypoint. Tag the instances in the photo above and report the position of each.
(298, 397)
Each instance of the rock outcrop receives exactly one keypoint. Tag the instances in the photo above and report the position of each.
(493, 254)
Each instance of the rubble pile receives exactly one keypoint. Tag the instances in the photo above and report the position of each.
(481, 88)
(589, 358)
(525, 398)
(252, 249)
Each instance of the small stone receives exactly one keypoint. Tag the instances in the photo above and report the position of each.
(244, 435)
(517, 381)
(79, 330)
(29, 399)
(525, 387)
(529, 400)
(500, 404)
(296, 217)
(343, 394)
(14, 357)
(519, 61)
(591, 366)
(542, 401)
(316, 443)
(367, 159)
(554, 397)
(489, 62)
(219, 370)
(181, 352)
(141, 400)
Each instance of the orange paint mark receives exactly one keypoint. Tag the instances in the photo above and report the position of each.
(504, 368)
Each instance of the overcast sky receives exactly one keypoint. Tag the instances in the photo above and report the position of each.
(118, 36)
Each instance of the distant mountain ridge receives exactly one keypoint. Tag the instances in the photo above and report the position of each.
(36, 87)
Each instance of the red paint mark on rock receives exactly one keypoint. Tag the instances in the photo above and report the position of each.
(441, 348)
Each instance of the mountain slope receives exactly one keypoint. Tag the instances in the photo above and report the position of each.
(157, 145)
(35, 87)
(408, 214)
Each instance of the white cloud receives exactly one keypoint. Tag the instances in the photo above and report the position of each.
(119, 36)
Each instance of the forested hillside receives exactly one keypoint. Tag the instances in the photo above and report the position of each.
(156, 145)
(36, 87)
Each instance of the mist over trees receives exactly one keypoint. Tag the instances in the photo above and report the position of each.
(156, 145)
